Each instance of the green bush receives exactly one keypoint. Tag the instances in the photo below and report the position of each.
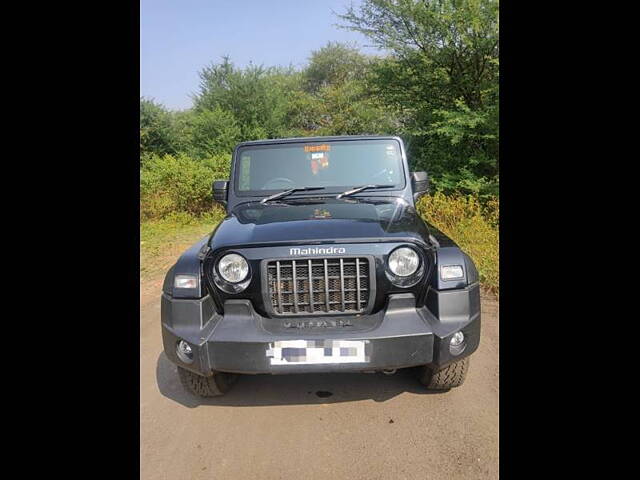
(473, 225)
(211, 133)
(178, 184)
(159, 132)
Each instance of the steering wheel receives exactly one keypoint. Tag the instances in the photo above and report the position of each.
(273, 184)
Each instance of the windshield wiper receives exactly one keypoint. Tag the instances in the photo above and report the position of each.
(289, 192)
(360, 189)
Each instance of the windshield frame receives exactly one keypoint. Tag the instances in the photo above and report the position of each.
(329, 190)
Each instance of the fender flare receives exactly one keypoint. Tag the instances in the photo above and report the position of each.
(453, 256)
(189, 263)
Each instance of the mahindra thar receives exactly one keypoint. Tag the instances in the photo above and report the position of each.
(322, 264)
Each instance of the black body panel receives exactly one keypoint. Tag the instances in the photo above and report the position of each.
(239, 341)
(320, 220)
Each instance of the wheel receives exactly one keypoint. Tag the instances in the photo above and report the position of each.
(214, 386)
(450, 376)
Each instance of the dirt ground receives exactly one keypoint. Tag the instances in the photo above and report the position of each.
(372, 426)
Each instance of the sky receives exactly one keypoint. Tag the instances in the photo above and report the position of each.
(180, 37)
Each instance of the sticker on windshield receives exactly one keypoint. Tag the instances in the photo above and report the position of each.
(317, 148)
(319, 161)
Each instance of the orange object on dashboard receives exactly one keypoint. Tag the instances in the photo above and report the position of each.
(317, 148)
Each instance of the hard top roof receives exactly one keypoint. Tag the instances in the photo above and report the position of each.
(317, 139)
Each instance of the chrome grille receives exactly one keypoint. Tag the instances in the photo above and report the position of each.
(318, 286)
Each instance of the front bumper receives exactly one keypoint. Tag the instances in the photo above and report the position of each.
(242, 341)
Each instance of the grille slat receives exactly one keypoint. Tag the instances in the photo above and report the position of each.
(310, 286)
(278, 287)
(326, 284)
(342, 282)
(358, 279)
(318, 286)
(295, 290)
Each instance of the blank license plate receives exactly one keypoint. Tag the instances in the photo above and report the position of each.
(309, 352)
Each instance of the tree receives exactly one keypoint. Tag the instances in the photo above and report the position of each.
(334, 64)
(442, 75)
(342, 102)
(256, 97)
(211, 132)
(348, 108)
(158, 132)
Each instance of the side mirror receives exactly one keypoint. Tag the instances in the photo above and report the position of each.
(419, 184)
(220, 190)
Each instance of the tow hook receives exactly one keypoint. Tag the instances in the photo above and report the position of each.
(390, 371)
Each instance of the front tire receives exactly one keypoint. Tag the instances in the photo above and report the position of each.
(214, 386)
(453, 375)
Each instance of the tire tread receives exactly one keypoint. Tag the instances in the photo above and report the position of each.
(453, 375)
(214, 386)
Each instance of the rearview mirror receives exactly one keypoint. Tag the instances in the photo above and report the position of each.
(220, 190)
(419, 184)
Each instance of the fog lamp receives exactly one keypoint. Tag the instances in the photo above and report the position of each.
(184, 352)
(457, 338)
(457, 343)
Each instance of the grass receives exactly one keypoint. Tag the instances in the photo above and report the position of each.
(163, 241)
(474, 227)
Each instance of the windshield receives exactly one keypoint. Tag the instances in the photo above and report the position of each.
(335, 165)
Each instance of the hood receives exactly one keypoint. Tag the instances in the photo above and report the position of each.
(304, 221)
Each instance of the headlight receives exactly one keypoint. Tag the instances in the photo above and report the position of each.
(233, 268)
(404, 262)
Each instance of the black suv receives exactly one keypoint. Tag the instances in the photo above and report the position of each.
(322, 264)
